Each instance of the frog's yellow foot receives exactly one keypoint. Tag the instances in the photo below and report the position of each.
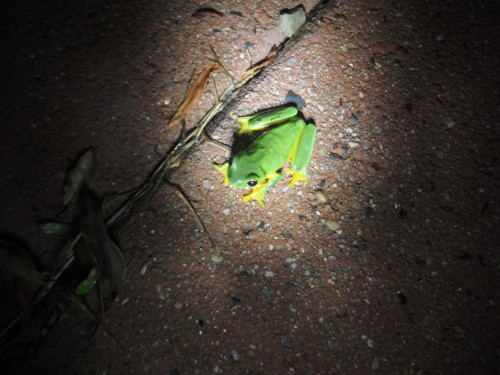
(297, 176)
(223, 168)
(243, 120)
(258, 193)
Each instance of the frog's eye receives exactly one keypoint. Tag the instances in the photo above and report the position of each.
(252, 182)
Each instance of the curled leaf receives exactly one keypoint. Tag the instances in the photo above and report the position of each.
(83, 173)
(261, 64)
(194, 94)
(15, 259)
(86, 285)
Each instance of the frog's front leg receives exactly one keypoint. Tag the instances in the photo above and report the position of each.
(259, 191)
(263, 120)
(301, 155)
(223, 168)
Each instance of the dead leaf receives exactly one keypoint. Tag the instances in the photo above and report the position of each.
(83, 173)
(194, 94)
(109, 258)
(15, 259)
(261, 64)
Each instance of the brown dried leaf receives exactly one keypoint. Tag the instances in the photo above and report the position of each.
(109, 258)
(83, 173)
(261, 64)
(15, 259)
(194, 94)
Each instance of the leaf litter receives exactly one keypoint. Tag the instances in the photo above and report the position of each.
(90, 258)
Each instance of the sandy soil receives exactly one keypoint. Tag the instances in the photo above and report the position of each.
(386, 262)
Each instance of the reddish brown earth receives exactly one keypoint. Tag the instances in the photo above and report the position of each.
(386, 262)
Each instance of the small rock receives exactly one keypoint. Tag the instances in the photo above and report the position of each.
(292, 97)
(216, 258)
(320, 196)
(291, 20)
(178, 305)
(247, 230)
(333, 225)
(449, 123)
(354, 118)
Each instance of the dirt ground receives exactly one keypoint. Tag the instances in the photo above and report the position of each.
(386, 262)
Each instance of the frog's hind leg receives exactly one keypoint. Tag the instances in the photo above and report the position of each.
(261, 121)
(299, 160)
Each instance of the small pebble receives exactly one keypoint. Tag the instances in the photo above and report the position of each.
(450, 123)
(354, 118)
(217, 258)
(144, 267)
(320, 196)
(333, 225)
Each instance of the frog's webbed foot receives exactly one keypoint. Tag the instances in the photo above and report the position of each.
(223, 168)
(259, 191)
(297, 176)
(243, 120)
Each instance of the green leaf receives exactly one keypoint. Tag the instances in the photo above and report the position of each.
(88, 284)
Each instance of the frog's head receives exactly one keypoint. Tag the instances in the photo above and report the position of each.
(241, 175)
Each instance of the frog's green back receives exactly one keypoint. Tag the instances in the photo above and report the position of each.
(267, 153)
